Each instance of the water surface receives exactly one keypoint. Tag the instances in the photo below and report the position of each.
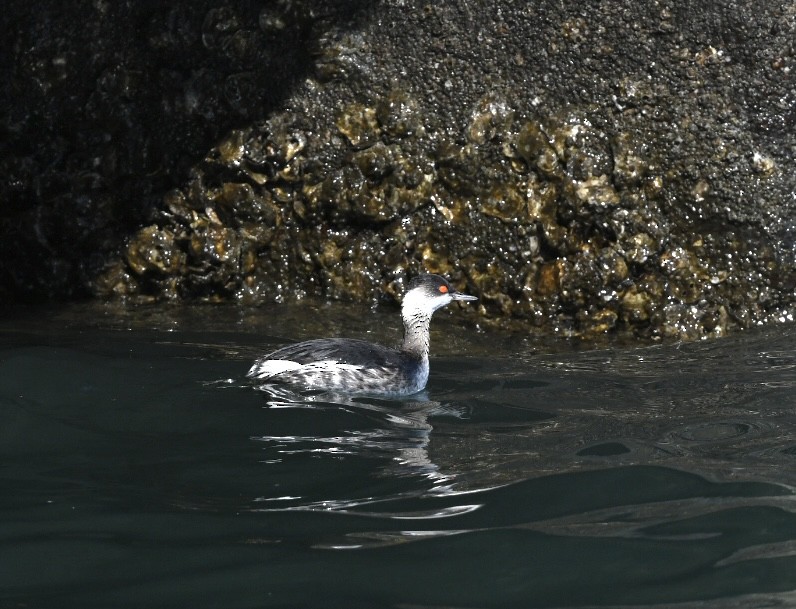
(139, 469)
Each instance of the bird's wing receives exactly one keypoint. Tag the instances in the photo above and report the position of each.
(340, 350)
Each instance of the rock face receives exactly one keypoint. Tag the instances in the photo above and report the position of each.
(106, 107)
(582, 168)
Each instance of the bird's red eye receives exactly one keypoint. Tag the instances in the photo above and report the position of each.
(443, 289)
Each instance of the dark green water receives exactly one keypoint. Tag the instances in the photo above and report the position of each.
(137, 469)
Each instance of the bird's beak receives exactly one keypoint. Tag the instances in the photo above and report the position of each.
(460, 296)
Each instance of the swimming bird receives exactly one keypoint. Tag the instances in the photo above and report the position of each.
(356, 366)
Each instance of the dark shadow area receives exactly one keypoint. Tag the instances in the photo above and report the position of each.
(107, 105)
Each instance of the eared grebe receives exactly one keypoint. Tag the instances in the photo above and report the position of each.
(357, 366)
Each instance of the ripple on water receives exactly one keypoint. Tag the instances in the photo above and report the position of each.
(717, 431)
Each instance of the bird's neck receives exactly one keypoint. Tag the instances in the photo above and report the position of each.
(416, 337)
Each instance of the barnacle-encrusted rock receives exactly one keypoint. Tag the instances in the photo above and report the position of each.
(153, 250)
(332, 148)
(358, 123)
